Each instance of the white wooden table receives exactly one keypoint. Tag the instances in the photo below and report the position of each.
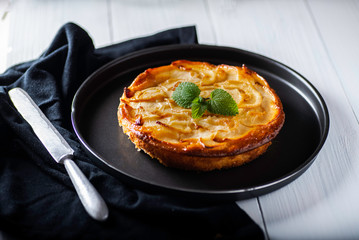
(318, 38)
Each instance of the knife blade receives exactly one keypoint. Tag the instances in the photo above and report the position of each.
(60, 151)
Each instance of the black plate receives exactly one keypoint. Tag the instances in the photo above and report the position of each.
(306, 126)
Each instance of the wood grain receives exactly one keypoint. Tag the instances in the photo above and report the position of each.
(33, 25)
(340, 38)
(134, 18)
(4, 34)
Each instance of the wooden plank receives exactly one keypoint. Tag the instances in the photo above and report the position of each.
(33, 25)
(136, 18)
(337, 27)
(5, 7)
(4, 33)
(93, 16)
(285, 31)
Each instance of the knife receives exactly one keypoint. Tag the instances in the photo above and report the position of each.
(61, 152)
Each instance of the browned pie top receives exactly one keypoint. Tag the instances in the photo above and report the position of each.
(148, 111)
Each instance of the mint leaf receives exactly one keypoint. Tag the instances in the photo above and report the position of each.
(221, 102)
(199, 106)
(185, 93)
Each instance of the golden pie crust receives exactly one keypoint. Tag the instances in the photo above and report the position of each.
(158, 126)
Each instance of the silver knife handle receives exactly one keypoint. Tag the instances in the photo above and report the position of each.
(90, 198)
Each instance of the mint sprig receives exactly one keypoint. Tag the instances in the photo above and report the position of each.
(221, 102)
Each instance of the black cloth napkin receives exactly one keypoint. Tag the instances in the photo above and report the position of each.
(37, 199)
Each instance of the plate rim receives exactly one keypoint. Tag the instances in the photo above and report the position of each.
(281, 181)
